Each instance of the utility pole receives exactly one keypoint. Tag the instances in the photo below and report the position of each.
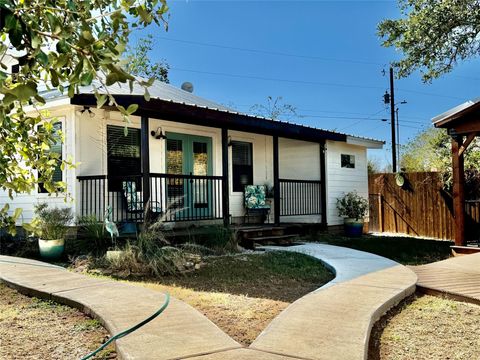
(392, 123)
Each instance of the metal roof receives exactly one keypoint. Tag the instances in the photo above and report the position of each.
(166, 92)
(455, 112)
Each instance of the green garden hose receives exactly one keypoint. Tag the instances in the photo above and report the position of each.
(115, 337)
(130, 330)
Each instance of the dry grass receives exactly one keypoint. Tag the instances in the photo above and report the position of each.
(243, 293)
(240, 316)
(37, 329)
(427, 327)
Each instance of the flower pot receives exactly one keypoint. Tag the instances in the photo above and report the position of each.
(353, 227)
(114, 255)
(51, 249)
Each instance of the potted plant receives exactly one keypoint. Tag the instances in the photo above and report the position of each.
(51, 226)
(353, 208)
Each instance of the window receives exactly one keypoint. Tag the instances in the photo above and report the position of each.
(242, 165)
(348, 161)
(123, 155)
(55, 148)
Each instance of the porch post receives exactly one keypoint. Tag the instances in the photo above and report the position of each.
(145, 149)
(323, 185)
(276, 182)
(225, 180)
(458, 190)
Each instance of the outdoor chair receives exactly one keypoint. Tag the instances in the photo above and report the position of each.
(255, 204)
(134, 201)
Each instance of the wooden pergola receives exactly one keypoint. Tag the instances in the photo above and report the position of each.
(463, 125)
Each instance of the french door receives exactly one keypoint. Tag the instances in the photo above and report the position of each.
(189, 196)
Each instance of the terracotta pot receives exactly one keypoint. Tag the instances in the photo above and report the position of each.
(353, 227)
(51, 249)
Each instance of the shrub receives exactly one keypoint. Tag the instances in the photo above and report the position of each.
(352, 205)
(52, 223)
(94, 230)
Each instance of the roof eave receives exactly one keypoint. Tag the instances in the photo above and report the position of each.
(173, 111)
(368, 143)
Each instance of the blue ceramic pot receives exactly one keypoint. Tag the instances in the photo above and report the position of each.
(352, 227)
(51, 249)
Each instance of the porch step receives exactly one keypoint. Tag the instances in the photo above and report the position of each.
(250, 233)
(251, 243)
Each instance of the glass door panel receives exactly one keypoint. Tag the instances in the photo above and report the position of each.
(189, 155)
(174, 165)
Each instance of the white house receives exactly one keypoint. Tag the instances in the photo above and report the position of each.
(183, 148)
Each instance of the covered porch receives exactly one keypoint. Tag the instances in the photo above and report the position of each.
(197, 193)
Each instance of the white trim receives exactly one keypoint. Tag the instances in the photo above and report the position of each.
(369, 144)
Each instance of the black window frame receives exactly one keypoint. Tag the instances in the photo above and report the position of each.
(239, 170)
(347, 161)
(121, 168)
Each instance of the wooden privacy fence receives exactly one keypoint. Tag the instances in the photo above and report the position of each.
(420, 207)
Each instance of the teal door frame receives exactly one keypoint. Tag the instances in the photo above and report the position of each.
(191, 211)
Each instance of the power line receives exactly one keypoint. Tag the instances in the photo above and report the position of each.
(307, 82)
(339, 112)
(278, 79)
(267, 52)
(353, 118)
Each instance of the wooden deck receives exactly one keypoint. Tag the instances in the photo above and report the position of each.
(457, 278)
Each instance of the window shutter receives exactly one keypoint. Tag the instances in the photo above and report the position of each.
(242, 165)
(241, 153)
(123, 154)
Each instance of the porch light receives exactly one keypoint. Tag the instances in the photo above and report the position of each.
(229, 141)
(86, 109)
(158, 134)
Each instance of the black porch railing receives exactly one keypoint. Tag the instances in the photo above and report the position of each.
(172, 197)
(300, 197)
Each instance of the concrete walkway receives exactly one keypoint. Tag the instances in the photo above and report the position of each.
(333, 322)
(457, 277)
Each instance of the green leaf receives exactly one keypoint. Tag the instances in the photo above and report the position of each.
(86, 78)
(101, 100)
(111, 79)
(17, 213)
(146, 95)
(54, 77)
(42, 58)
(132, 108)
(62, 47)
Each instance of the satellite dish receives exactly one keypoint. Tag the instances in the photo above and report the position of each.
(187, 86)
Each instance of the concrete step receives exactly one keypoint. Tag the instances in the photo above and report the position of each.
(251, 243)
(262, 232)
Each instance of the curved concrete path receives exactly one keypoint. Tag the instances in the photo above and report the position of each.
(333, 322)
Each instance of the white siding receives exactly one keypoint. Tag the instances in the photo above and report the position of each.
(299, 160)
(262, 166)
(342, 180)
(65, 114)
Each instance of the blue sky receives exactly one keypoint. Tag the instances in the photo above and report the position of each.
(323, 57)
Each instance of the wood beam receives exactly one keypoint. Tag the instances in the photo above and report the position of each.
(458, 190)
(145, 149)
(225, 180)
(467, 142)
(276, 182)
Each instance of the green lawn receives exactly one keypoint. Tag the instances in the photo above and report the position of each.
(405, 250)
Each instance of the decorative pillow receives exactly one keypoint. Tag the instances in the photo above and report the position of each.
(255, 196)
(132, 196)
